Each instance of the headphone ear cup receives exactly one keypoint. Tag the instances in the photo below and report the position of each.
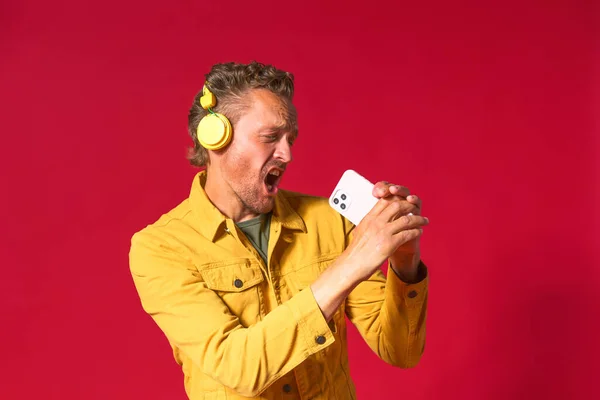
(214, 131)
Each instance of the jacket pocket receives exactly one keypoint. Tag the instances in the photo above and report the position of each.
(232, 276)
(238, 283)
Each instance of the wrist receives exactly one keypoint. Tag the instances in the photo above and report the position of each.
(406, 266)
(333, 286)
(348, 273)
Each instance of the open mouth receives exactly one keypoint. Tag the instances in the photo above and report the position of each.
(272, 180)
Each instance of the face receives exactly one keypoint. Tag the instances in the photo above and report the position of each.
(255, 161)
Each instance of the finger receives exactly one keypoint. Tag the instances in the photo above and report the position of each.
(415, 200)
(391, 211)
(406, 236)
(398, 190)
(408, 222)
(404, 206)
(384, 200)
(390, 208)
(384, 188)
(378, 208)
(381, 189)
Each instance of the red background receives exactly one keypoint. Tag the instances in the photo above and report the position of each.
(487, 110)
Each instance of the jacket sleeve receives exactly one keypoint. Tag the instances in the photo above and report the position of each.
(390, 315)
(195, 320)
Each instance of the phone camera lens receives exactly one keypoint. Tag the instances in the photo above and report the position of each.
(336, 200)
(343, 206)
(343, 197)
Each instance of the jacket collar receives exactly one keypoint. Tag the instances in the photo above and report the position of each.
(210, 220)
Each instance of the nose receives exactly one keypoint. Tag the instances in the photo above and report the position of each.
(283, 152)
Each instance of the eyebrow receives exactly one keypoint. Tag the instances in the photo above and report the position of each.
(287, 126)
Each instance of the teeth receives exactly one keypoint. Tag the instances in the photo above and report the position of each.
(269, 187)
(276, 172)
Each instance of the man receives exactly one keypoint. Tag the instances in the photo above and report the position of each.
(251, 284)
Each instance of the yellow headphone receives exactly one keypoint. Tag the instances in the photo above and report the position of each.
(214, 130)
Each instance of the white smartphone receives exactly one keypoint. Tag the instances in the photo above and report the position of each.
(353, 196)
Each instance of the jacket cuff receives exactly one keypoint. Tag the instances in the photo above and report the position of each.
(311, 323)
(411, 294)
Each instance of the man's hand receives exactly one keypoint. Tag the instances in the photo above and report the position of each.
(390, 230)
(405, 260)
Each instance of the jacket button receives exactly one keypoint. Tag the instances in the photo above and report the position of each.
(412, 294)
(287, 388)
(238, 283)
(320, 339)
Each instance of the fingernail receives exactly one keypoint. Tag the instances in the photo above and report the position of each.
(410, 214)
(427, 219)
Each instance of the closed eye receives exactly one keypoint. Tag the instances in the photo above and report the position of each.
(274, 137)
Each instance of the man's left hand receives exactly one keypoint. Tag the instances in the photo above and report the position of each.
(405, 260)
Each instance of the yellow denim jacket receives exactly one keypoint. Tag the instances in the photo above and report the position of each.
(240, 328)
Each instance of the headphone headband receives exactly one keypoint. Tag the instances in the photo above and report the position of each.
(208, 99)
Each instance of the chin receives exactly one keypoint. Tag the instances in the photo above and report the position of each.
(260, 207)
(268, 207)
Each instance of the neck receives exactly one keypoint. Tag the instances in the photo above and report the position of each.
(224, 198)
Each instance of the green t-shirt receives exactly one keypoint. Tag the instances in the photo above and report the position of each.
(257, 231)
